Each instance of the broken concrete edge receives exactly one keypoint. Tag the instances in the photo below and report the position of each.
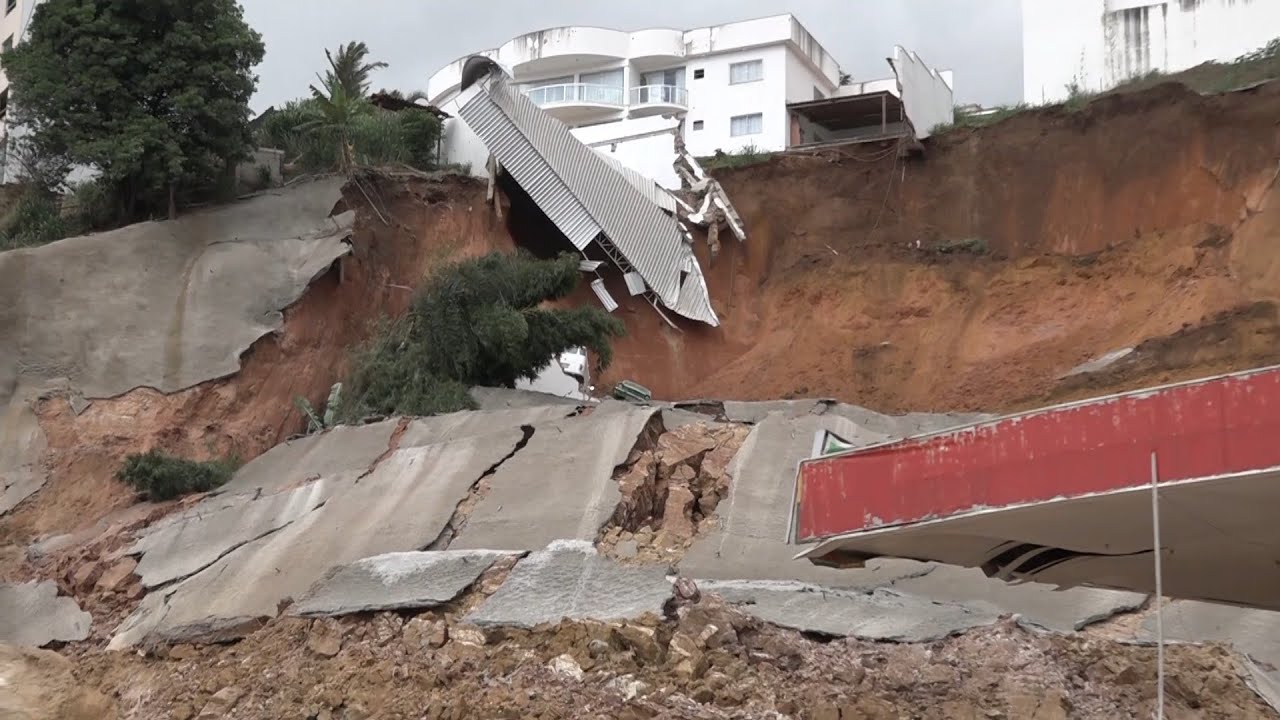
(463, 507)
(323, 598)
(37, 615)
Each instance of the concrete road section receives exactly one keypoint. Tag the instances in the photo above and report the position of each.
(507, 398)
(342, 449)
(22, 442)
(395, 581)
(875, 615)
(569, 580)
(560, 486)
(165, 305)
(32, 615)
(183, 548)
(403, 505)
(466, 424)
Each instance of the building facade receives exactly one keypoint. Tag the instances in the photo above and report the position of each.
(13, 29)
(729, 84)
(1097, 44)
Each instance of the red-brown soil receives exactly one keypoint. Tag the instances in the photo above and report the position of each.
(1142, 216)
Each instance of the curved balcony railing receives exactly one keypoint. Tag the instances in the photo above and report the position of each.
(573, 93)
(660, 95)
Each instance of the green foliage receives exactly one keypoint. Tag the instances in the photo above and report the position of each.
(744, 156)
(36, 219)
(338, 128)
(970, 246)
(160, 477)
(154, 95)
(475, 322)
(91, 206)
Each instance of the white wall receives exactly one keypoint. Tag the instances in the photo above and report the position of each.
(714, 101)
(926, 94)
(646, 145)
(1085, 42)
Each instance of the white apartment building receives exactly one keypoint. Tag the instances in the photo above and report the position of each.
(730, 82)
(1098, 44)
(13, 30)
(764, 84)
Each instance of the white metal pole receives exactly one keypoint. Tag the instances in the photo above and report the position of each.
(1155, 532)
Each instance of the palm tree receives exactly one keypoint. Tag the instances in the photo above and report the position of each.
(351, 69)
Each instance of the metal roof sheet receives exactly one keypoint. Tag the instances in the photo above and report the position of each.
(583, 193)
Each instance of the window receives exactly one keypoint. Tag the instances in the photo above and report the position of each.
(699, 73)
(817, 94)
(8, 44)
(697, 124)
(745, 72)
(10, 6)
(740, 125)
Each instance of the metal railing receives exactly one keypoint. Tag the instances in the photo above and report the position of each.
(660, 95)
(577, 93)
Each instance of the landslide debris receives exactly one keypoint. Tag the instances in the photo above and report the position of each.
(671, 485)
(707, 661)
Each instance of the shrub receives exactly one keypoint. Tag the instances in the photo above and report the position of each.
(36, 219)
(158, 476)
(474, 322)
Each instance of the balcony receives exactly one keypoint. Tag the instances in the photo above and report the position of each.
(574, 103)
(658, 99)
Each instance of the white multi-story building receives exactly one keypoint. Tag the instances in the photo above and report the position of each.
(13, 30)
(1098, 44)
(732, 82)
(750, 84)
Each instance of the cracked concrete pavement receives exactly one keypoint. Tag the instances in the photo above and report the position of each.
(395, 581)
(524, 478)
(208, 285)
(570, 580)
(32, 615)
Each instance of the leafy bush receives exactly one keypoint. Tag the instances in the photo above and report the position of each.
(475, 322)
(378, 137)
(92, 206)
(742, 157)
(158, 476)
(971, 246)
(36, 219)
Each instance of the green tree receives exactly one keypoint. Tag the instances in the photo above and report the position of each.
(474, 322)
(153, 94)
(350, 69)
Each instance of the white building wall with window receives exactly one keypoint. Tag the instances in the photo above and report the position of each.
(1098, 44)
(729, 85)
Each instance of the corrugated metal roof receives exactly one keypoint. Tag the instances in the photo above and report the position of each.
(583, 193)
(635, 283)
(601, 292)
(646, 185)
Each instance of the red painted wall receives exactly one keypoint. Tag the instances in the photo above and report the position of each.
(1212, 427)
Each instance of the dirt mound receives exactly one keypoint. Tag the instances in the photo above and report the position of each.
(708, 661)
(974, 275)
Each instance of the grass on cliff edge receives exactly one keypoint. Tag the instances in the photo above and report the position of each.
(477, 322)
(158, 476)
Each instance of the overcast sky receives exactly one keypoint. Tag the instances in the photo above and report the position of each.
(980, 41)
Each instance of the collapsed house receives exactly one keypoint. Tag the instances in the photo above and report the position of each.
(596, 201)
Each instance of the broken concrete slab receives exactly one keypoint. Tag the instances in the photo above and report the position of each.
(750, 540)
(32, 615)
(674, 418)
(560, 486)
(752, 412)
(182, 548)
(404, 504)
(570, 580)
(1255, 633)
(1042, 605)
(22, 442)
(466, 424)
(506, 398)
(204, 287)
(880, 614)
(896, 427)
(395, 581)
(342, 449)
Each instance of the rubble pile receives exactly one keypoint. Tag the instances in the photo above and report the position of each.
(671, 486)
(704, 661)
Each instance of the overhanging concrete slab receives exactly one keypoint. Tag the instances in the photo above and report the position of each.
(880, 614)
(395, 581)
(32, 615)
(1063, 495)
(569, 580)
(343, 449)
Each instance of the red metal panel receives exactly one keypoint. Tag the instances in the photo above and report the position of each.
(1212, 427)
